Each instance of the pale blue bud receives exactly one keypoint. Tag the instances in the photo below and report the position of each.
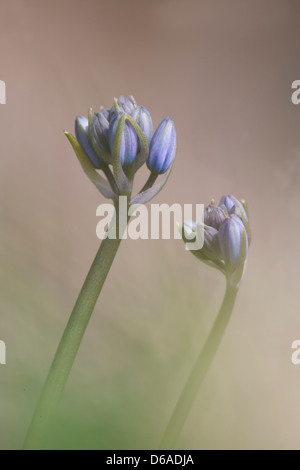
(231, 235)
(127, 105)
(142, 117)
(82, 136)
(233, 205)
(129, 139)
(162, 147)
(100, 127)
(211, 248)
(210, 252)
(106, 112)
(214, 216)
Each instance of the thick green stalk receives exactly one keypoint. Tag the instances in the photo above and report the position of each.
(70, 342)
(199, 371)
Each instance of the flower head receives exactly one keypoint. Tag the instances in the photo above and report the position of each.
(118, 141)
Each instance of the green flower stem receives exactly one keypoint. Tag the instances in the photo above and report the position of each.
(199, 371)
(111, 179)
(150, 182)
(70, 342)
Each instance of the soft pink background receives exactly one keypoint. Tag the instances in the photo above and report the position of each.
(223, 72)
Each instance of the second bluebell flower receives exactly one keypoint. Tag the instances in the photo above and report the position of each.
(226, 237)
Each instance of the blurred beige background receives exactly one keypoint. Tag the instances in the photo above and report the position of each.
(223, 72)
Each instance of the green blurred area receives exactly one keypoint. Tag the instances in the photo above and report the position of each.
(146, 332)
(130, 367)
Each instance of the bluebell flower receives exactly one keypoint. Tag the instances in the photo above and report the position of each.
(226, 238)
(119, 140)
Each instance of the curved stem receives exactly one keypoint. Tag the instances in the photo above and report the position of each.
(199, 371)
(150, 182)
(71, 339)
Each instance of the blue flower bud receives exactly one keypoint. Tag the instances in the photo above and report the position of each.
(211, 248)
(162, 147)
(142, 117)
(105, 112)
(231, 235)
(82, 136)
(210, 252)
(100, 127)
(233, 205)
(129, 140)
(214, 216)
(226, 238)
(127, 105)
